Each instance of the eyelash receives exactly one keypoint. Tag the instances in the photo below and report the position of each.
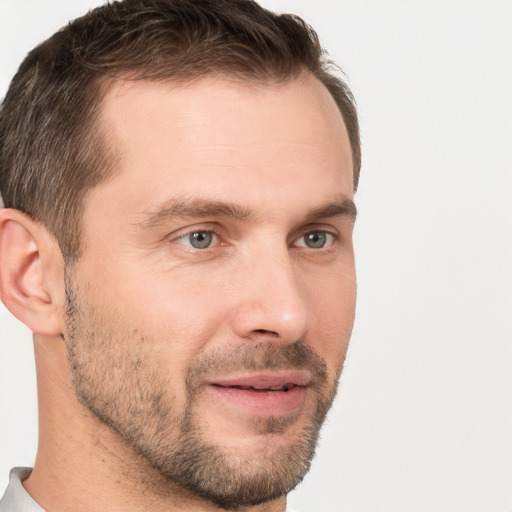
(196, 231)
(331, 239)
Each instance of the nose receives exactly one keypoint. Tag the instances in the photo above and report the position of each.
(272, 302)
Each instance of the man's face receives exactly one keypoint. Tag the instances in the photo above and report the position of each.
(210, 312)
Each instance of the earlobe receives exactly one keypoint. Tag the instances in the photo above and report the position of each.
(29, 286)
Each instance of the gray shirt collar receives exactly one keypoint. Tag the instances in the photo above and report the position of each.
(16, 498)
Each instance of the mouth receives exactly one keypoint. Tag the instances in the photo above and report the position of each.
(283, 387)
(264, 395)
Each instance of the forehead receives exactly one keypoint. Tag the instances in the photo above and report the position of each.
(226, 138)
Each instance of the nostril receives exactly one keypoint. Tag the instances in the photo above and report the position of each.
(264, 331)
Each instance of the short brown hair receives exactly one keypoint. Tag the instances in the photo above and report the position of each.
(50, 153)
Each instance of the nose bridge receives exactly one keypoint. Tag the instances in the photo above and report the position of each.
(273, 301)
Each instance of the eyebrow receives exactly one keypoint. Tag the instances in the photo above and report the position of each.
(190, 208)
(195, 208)
(342, 208)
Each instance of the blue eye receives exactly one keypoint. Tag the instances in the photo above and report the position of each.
(315, 240)
(198, 239)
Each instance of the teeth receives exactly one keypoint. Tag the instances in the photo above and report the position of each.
(284, 387)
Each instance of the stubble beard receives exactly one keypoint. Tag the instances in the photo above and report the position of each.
(127, 392)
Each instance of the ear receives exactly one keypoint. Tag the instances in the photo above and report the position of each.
(31, 273)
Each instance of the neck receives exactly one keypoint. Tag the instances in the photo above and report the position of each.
(83, 465)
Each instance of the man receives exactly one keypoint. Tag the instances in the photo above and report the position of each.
(178, 182)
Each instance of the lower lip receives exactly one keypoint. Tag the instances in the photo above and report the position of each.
(263, 403)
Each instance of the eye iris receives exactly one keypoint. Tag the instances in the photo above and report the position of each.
(200, 239)
(315, 240)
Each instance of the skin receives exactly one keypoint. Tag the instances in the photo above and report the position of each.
(280, 153)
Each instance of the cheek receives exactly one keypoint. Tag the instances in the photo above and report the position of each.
(334, 310)
(180, 315)
(156, 316)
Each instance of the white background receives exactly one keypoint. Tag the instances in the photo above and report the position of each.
(423, 422)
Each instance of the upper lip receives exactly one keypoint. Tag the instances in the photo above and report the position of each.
(265, 380)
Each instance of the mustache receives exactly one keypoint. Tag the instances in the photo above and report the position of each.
(257, 357)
